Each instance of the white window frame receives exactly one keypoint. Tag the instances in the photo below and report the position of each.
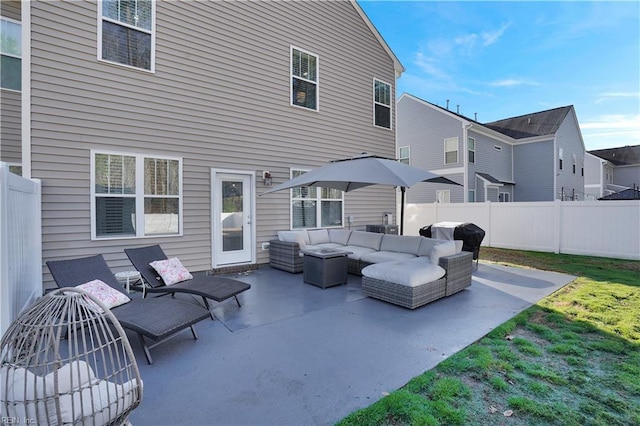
(11, 55)
(390, 105)
(152, 59)
(457, 150)
(472, 196)
(292, 76)
(560, 159)
(139, 196)
(318, 199)
(505, 197)
(443, 196)
(404, 159)
(469, 139)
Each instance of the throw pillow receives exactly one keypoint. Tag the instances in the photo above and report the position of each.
(110, 297)
(171, 270)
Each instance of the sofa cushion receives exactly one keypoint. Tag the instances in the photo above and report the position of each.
(326, 246)
(318, 236)
(300, 237)
(340, 236)
(400, 243)
(357, 251)
(370, 240)
(385, 256)
(412, 272)
(445, 248)
(426, 244)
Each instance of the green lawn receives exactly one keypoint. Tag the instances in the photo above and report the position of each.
(572, 359)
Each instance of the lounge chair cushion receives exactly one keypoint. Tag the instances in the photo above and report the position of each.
(385, 256)
(171, 270)
(106, 294)
(411, 272)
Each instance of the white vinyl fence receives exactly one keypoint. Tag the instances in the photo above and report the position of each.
(593, 228)
(20, 244)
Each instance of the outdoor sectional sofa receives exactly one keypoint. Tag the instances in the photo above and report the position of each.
(409, 271)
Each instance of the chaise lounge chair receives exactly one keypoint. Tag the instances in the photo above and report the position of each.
(205, 286)
(155, 319)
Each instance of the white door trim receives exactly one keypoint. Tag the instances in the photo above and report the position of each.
(216, 211)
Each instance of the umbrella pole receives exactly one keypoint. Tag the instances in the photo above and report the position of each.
(402, 189)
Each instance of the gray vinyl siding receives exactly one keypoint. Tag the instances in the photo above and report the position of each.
(497, 163)
(426, 192)
(10, 127)
(627, 175)
(533, 165)
(219, 99)
(424, 129)
(10, 104)
(568, 138)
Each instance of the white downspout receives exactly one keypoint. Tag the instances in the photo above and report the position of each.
(25, 18)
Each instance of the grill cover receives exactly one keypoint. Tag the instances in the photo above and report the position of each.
(470, 234)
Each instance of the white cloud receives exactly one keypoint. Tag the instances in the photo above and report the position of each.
(489, 38)
(607, 96)
(512, 82)
(612, 130)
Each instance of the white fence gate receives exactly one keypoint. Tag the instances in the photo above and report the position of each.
(591, 228)
(20, 244)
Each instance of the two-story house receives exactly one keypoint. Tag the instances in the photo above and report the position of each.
(612, 171)
(162, 121)
(534, 157)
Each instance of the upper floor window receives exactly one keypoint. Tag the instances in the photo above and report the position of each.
(405, 154)
(127, 33)
(560, 158)
(313, 207)
(135, 195)
(381, 104)
(471, 147)
(574, 164)
(304, 79)
(10, 54)
(451, 151)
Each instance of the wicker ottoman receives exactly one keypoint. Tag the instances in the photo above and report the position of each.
(411, 283)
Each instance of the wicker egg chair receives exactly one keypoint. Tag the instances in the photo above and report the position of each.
(67, 360)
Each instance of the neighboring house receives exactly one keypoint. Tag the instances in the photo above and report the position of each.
(162, 122)
(534, 157)
(612, 170)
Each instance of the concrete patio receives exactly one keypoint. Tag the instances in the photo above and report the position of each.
(295, 354)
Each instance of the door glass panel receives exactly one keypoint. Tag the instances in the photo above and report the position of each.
(232, 216)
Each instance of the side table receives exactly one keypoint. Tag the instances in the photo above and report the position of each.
(325, 267)
(127, 278)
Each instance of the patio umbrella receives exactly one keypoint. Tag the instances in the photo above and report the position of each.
(364, 170)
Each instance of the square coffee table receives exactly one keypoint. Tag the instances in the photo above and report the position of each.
(325, 267)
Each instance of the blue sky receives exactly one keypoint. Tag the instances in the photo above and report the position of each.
(509, 58)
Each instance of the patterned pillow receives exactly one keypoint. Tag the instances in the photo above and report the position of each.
(171, 270)
(109, 296)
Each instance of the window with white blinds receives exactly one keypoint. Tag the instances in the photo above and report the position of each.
(125, 184)
(315, 207)
(304, 79)
(381, 104)
(451, 151)
(127, 32)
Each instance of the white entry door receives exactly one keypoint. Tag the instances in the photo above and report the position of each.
(232, 222)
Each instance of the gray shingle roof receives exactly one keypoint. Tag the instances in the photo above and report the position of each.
(489, 178)
(626, 194)
(530, 125)
(621, 156)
